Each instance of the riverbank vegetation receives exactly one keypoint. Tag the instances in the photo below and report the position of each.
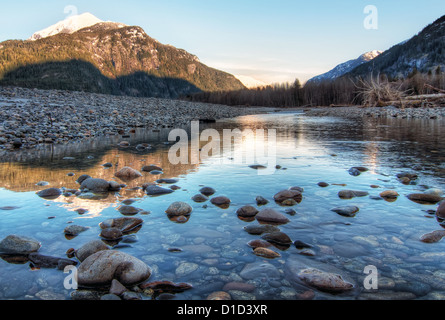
(371, 91)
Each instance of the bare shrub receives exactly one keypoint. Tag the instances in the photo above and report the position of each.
(377, 92)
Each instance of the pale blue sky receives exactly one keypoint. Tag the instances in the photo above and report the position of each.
(273, 41)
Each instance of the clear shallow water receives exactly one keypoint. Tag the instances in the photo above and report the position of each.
(213, 242)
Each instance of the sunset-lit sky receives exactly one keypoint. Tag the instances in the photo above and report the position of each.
(272, 41)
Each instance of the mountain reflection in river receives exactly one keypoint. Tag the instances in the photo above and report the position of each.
(309, 150)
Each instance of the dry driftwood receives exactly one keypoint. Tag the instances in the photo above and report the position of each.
(434, 88)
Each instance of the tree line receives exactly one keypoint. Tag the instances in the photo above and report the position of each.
(341, 91)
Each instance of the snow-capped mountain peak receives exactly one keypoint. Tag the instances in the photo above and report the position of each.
(346, 67)
(371, 55)
(69, 25)
(250, 82)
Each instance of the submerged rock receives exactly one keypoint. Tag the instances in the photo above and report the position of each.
(95, 185)
(389, 194)
(220, 201)
(167, 181)
(324, 281)
(200, 198)
(219, 296)
(433, 237)
(346, 211)
(102, 267)
(288, 194)
(42, 261)
(260, 201)
(127, 210)
(74, 230)
(266, 253)
(151, 168)
(51, 193)
(440, 213)
(349, 194)
(271, 216)
(124, 224)
(247, 211)
(82, 178)
(257, 243)
(90, 248)
(277, 237)
(179, 209)
(14, 244)
(153, 190)
(166, 287)
(260, 229)
(423, 198)
(207, 191)
(128, 174)
(111, 234)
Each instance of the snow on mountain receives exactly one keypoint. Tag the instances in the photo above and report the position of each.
(250, 82)
(346, 67)
(69, 25)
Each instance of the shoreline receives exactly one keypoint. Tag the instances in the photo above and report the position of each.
(377, 112)
(34, 117)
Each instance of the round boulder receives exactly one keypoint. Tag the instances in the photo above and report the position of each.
(179, 209)
(89, 249)
(247, 212)
(95, 185)
(14, 244)
(221, 201)
(200, 198)
(102, 267)
(51, 193)
(271, 216)
(128, 174)
(288, 194)
(278, 238)
(207, 191)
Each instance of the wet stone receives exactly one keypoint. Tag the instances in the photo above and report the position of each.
(247, 211)
(423, 198)
(433, 237)
(346, 211)
(15, 244)
(271, 216)
(179, 209)
(207, 191)
(324, 281)
(277, 237)
(260, 229)
(157, 191)
(349, 194)
(266, 253)
(127, 210)
(261, 201)
(200, 198)
(74, 230)
(51, 193)
(288, 194)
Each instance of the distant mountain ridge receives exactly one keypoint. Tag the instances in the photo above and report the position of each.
(107, 57)
(424, 53)
(346, 67)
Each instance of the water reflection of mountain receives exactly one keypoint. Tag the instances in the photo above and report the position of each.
(51, 167)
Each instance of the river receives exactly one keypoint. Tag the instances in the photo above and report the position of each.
(209, 251)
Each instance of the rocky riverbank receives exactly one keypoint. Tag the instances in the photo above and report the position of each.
(377, 112)
(29, 117)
